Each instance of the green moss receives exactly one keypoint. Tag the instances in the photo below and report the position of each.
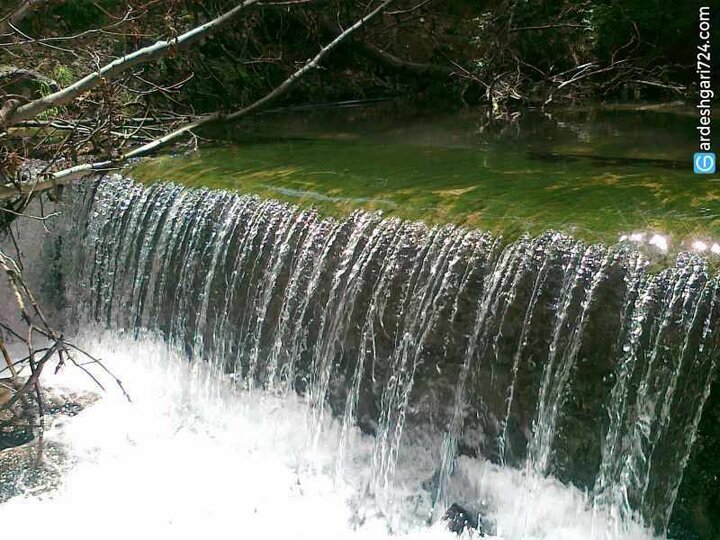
(508, 188)
(63, 75)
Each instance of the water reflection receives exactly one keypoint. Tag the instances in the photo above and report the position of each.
(656, 243)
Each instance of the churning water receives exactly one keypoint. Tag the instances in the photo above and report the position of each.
(355, 377)
(193, 457)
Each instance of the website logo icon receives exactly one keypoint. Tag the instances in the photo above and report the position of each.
(704, 163)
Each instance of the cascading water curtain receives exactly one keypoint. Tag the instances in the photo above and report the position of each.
(546, 354)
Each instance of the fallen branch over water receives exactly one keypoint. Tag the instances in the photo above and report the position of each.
(65, 176)
(37, 327)
(117, 67)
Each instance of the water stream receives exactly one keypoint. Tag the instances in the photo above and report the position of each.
(554, 387)
(311, 368)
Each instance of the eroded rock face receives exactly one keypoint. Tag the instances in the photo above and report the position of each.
(30, 463)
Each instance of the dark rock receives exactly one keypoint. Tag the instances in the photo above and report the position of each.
(16, 422)
(367, 425)
(15, 433)
(458, 519)
(19, 424)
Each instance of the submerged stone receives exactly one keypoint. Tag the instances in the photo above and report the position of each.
(459, 519)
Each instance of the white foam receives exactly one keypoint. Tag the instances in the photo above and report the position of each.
(190, 458)
(699, 245)
(659, 241)
(526, 506)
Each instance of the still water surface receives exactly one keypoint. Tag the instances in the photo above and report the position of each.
(600, 175)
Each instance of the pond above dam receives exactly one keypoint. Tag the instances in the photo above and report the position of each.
(599, 175)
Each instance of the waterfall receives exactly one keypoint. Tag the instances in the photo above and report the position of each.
(544, 355)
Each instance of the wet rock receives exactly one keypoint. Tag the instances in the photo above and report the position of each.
(30, 468)
(459, 520)
(20, 423)
(68, 403)
(16, 422)
(29, 463)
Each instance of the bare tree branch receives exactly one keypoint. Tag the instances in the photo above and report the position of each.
(547, 27)
(68, 175)
(11, 74)
(115, 68)
(37, 324)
